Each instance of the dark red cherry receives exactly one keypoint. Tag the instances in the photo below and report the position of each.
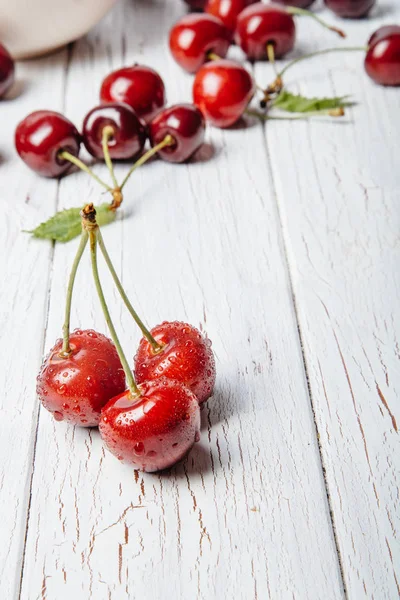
(154, 431)
(382, 61)
(262, 24)
(186, 356)
(129, 132)
(352, 9)
(222, 90)
(7, 70)
(383, 32)
(227, 10)
(40, 138)
(196, 4)
(185, 123)
(76, 388)
(194, 36)
(139, 86)
(297, 3)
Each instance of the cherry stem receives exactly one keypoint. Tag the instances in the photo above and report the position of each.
(271, 56)
(81, 165)
(66, 349)
(319, 52)
(108, 133)
(133, 388)
(332, 112)
(293, 10)
(167, 141)
(213, 56)
(152, 341)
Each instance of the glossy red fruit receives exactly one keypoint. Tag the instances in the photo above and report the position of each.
(129, 132)
(186, 357)
(76, 388)
(382, 61)
(40, 138)
(196, 4)
(7, 71)
(139, 86)
(297, 3)
(227, 10)
(154, 431)
(185, 123)
(352, 9)
(222, 90)
(194, 36)
(262, 24)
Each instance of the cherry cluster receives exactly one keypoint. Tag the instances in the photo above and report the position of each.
(151, 418)
(352, 9)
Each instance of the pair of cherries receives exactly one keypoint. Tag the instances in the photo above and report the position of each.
(133, 108)
(343, 8)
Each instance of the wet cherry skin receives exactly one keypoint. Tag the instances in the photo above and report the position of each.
(129, 132)
(260, 24)
(352, 9)
(7, 71)
(222, 90)
(227, 10)
(154, 431)
(76, 388)
(39, 139)
(382, 61)
(186, 357)
(185, 123)
(194, 36)
(139, 86)
(297, 3)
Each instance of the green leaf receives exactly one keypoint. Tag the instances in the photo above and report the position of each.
(300, 104)
(66, 224)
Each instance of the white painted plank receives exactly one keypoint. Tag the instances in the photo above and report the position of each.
(247, 512)
(337, 188)
(24, 266)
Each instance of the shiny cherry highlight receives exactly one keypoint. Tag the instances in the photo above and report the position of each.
(382, 61)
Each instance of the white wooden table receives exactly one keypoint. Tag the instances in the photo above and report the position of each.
(282, 242)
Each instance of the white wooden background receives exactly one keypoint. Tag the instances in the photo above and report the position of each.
(282, 243)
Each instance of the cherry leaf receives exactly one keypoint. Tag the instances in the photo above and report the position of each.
(294, 103)
(66, 224)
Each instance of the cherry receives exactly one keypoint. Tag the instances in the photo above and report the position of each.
(41, 137)
(139, 86)
(75, 388)
(156, 429)
(185, 123)
(352, 9)
(298, 3)
(186, 356)
(7, 70)
(260, 25)
(227, 10)
(194, 37)
(382, 61)
(196, 4)
(222, 90)
(129, 133)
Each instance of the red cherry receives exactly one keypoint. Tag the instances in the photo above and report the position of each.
(262, 24)
(382, 61)
(139, 86)
(186, 357)
(227, 10)
(76, 388)
(155, 430)
(40, 138)
(196, 4)
(7, 70)
(129, 132)
(297, 3)
(222, 90)
(194, 37)
(352, 9)
(185, 123)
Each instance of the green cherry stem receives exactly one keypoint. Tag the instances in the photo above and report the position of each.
(271, 57)
(301, 12)
(64, 154)
(107, 134)
(333, 112)
(93, 236)
(152, 341)
(66, 350)
(167, 141)
(319, 53)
